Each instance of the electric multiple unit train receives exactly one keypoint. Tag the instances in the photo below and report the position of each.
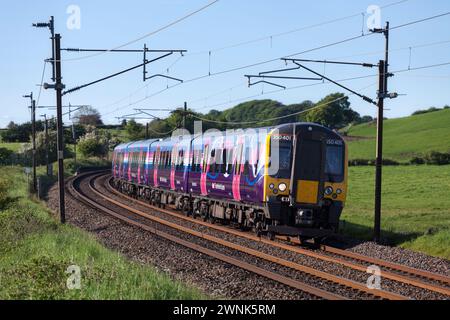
(289, 179)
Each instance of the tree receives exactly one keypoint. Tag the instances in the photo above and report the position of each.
(41, 148)
(366, 119)
(93, 144)
(333, 111)
(20, 132)
(134, 130)
(88, 116)
(5, 155)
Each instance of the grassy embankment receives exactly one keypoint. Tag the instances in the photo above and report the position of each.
(404, 138)
(36, 251)
(416, 199)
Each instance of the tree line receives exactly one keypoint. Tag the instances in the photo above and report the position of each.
(333, 111)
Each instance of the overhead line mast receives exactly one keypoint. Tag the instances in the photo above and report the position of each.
(383, 75)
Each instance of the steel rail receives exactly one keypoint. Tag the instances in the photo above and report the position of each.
(230, 260)
(313, 272)
(380, 263)
(390, 265)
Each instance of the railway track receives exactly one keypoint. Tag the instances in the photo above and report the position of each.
(393, 271)
(410, 276)
(83, 197)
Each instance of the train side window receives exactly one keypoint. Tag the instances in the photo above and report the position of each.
(230, 161)
(166, 164)
(238, 162)
(247, 162)
(194, 155)
(167, 159)
(223, 165)
(181, 160)
(212, 162)
(205, 159)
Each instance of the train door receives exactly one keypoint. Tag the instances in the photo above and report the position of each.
(174, 165)
(156, 163)
(205, 169)
(238, 166)
(250, 170)
(308, 170)
(140, 165)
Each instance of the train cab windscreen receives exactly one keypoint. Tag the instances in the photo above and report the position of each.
(334, 163)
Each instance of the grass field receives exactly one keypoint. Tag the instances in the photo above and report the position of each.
(36, 251)
(13, 146)
(416, 207)
(404, 137)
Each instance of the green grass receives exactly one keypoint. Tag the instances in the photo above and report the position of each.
(415, 207)
(404, 138)
(35, 252)
(13, 146)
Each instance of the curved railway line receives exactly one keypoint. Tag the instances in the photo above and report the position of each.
(86, 188)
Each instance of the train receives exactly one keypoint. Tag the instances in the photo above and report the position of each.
(288, 179)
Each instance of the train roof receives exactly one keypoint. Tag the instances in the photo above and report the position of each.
(141, 143)
(184, 138)
(122, 146)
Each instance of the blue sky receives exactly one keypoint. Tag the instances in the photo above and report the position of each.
(107, 24)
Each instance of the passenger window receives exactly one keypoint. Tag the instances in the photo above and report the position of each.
(223, 165)
(247, 168)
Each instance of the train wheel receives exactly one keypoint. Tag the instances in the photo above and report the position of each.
(318, 241)
(271, 236)
(186, 208)
(302, 240)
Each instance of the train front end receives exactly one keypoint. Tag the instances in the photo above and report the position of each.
(305, 180)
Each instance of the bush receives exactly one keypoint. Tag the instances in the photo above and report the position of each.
(5, 155)
(437, 158)
(359, 162)
(389, 162)
(93, 145)
(26, 151)
(3, 192)
(432, 109)
(417, 161)
(367, 162)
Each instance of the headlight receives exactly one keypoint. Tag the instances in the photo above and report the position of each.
(328, 191)
(271, 186)
(282, 187)
(338, 191)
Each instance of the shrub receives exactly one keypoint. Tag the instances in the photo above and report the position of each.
(3, 192)
(5, 155)
(93, 145)
(359, 162)
(437, 158)
(369, 162)
(417, 161)
(390, 162)
(432, 109)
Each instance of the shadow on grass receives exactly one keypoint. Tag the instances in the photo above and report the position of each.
(45, 184)
(8, 202)
(352, 234)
